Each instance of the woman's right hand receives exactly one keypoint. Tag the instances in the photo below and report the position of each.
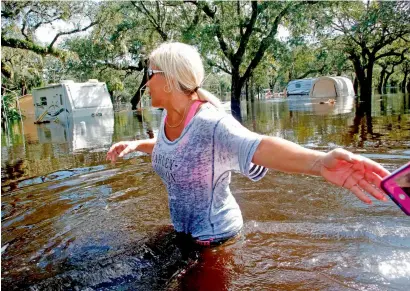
(120, 149)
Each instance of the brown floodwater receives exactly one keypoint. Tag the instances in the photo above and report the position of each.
(71, 220)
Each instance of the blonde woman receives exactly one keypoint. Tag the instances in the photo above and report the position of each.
(198, 145)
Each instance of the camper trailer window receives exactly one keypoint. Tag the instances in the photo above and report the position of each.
(297, 85)
(61, 99)
(43, 100)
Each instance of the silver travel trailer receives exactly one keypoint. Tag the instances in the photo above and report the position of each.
(71, 100)
(299, 87)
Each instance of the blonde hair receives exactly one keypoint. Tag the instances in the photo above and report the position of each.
(183, 69)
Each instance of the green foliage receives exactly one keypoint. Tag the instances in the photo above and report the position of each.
(24, 70)
(94, 60)
(367, 32)
(326, 38)
(9, 112)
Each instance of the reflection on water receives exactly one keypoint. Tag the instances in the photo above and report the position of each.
(71, 220)
(320, 105)
(87, 132)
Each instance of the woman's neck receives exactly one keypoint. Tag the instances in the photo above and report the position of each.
(177, 108)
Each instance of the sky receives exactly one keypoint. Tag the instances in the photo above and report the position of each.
(46, 33)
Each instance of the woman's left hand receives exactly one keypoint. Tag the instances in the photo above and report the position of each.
(355, 173)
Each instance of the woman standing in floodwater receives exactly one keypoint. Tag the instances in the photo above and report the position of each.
(198, 145)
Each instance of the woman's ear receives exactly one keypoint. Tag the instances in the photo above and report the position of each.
(167, 89)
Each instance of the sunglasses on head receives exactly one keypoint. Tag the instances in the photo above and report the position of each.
(152, 72)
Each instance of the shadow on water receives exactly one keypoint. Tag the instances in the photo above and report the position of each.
(394, 111)
(362, 123)
(67, 244)
(71, 232)
(71, 220)
(147, 264)
(11, 172)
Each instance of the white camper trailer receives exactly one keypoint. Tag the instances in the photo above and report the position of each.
(70, 99)
(332, 87)
(299, 87)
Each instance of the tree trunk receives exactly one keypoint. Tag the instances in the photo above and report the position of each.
(111, 93)
(381, 81)
(271, 86)
(236, 95)
(247, 91)
(259, 91)
(356, 86)
(252, 91)
(364, 76)
(141, 89)
(365, 90)
(365, 82)
(360, 77)
(403, 83)
(408, 86)
(386, 80)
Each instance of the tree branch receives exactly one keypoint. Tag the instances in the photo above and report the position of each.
(28, 45)
(265, 43)
(312, 71)
(212, 15)
(151, 19)
(140, 67)
(238, 11)
(46, 22)
(388, 39)
(341, 27)
(23, 28)
(391, 54)
(248, 31)
(196, 18)
(406, 40)
(224, 69)
(158, 12)
(50, 46)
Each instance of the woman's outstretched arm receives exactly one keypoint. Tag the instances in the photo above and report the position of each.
(340, 167)
(120, 149)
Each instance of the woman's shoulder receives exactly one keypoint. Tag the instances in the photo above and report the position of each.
(211, 114)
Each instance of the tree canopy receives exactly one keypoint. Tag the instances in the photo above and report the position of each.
(238, 40)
